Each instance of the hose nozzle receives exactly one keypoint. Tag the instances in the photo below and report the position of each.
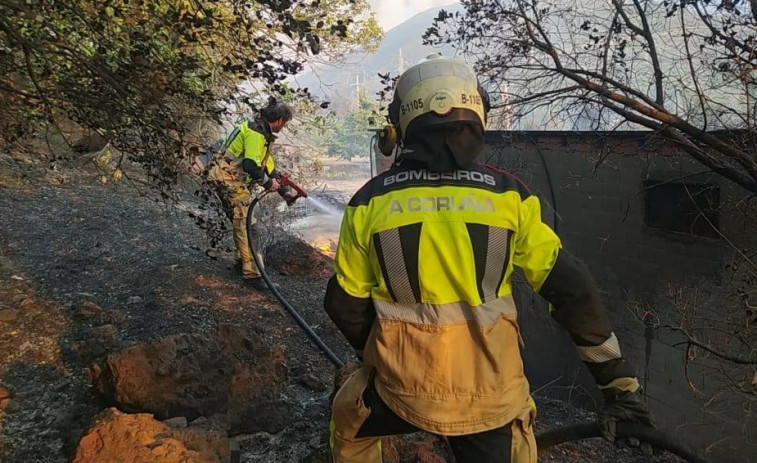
(285, 179)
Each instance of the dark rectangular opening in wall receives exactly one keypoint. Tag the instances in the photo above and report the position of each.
(682, 207)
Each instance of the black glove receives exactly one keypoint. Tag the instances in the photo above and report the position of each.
(288, 194)
(624, 406)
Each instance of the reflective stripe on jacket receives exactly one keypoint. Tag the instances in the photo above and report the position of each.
(435, 253)
(250, 141)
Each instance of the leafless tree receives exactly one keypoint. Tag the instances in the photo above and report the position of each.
(685, 69)
(715, 320)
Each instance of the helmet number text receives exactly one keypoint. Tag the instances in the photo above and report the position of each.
(411, 106)
(470, 99)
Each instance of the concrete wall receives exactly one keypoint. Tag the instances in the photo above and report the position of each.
(592, 190)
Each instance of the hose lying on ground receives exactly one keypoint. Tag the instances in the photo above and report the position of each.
(300, 321)
(655, 437)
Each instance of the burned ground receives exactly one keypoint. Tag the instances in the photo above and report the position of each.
(67, 241)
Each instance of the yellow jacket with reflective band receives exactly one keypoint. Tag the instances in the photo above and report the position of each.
(248, 141)
(435, 253)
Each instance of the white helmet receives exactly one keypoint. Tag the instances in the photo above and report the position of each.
(437, 91)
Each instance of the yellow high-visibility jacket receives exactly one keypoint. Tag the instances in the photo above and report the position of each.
(249, 146)
(423, 285)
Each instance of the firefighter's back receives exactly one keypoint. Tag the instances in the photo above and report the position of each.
(441, 247)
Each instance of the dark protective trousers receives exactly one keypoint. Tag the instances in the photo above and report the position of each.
(355, 433)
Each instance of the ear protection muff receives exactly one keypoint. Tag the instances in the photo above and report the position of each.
(389, 135)
(394, 111)
(387, 140)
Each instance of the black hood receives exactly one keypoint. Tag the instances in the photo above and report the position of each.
(445, 148)
(261, 125)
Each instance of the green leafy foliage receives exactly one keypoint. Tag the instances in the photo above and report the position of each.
(348, 135)
(144, 73)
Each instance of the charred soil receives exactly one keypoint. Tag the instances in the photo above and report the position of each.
(67, 241)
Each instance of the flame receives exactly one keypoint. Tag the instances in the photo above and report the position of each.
(325, 246)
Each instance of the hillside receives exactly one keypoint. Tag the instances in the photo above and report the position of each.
(402, 45)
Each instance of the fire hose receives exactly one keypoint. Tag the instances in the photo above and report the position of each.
(656, 438)
(285, 180)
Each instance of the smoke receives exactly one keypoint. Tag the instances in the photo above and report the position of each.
(389, 13)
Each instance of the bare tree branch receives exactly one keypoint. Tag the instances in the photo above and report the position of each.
(723, 355)
(700, 72)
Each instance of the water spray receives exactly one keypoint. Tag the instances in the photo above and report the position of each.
(325, 207)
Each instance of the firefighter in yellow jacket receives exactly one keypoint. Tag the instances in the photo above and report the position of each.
(423, 289)
(244, 161)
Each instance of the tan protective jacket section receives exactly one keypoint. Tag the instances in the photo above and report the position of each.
(436, 253)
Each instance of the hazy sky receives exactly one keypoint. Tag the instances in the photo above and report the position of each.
(389, 13)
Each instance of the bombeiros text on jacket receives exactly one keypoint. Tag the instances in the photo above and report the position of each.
(424, 174)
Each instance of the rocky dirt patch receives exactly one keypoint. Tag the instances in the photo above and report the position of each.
(228, 372)
(116, 434)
